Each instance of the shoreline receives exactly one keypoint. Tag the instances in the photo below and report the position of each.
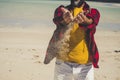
(24, 40)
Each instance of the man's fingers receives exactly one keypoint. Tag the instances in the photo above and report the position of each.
(78, 19)
(67, 19)
(82, 16)
(67, 16)
(64, 10)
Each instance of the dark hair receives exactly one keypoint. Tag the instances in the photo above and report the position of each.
(80, 3)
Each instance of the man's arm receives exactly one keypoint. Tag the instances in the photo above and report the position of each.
(95, 16)
(82, 19)
(88, 21)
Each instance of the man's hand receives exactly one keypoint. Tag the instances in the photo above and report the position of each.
(82, 19)
(67, 16)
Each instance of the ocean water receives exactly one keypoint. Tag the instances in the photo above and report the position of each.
(110, 15)
(37, 13)
(25, 14)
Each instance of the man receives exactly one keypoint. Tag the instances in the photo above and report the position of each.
(82, 54)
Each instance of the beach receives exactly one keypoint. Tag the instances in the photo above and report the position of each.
(27, 27)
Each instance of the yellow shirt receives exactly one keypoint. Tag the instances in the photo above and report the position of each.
(78, 47)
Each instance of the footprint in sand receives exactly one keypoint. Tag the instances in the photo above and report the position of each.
(10, 70)
(118, 67)
(118, 59)
(28, 49)
(95, 78)
(105, 77)
(6, 48)
(37, 62)
(117, 51)
(33, 49)
(36, 57)
(108, 52)
(20, 49)
(117, 78)
(102, 60)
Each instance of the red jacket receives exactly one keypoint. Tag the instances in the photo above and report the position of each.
(89, 29)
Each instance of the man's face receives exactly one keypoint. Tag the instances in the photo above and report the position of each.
(77, 2)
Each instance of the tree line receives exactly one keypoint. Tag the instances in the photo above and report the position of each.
(111, 1)
(114, 1)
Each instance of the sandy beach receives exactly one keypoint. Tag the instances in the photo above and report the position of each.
(24, 38)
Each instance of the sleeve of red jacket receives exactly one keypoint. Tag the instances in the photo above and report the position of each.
(58, 16)
(94, 15)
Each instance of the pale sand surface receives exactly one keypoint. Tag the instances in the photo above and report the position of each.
(108, 42)
(24, 37)
(22, 54)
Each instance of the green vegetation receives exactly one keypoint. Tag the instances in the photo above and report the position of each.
(114, 1)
